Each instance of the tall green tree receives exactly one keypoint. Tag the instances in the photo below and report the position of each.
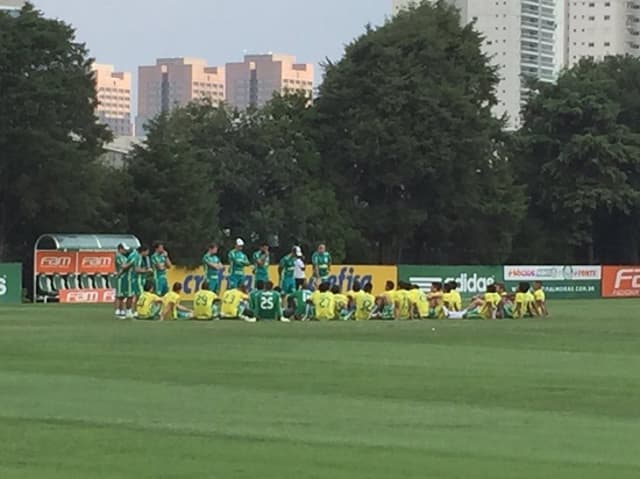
(408, 138)
(174, 196)
(580, 156)
(49, 135)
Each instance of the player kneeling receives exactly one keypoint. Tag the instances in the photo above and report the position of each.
(205, 304)
(234, 305)
(172, 310)
(149, 304)
(540, 299)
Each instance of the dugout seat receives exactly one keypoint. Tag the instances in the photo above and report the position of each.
(45, 288)
(58, 283)
(85, 281)
(99, 282)
(72, 281)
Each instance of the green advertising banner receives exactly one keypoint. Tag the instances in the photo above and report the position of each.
(472, 279)
(10, 283)
(558, 282)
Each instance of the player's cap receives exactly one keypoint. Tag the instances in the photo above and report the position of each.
(239, 242)
(298, 251)
(123, 246)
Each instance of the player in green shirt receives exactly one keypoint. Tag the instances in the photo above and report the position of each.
(160, 263)
(124, 293)
(141, 268)
(261, 261)
(238, 261)
(259, 288)
(268, 306)
(286, 269)
(297, 303)
(321, 261)
(212, 267)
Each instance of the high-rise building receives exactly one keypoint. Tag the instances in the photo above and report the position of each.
(521, 39)
(175, 82)
(599, 28)
(114, 99)
(254, 81)
(11, 6)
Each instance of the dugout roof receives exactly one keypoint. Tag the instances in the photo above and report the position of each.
(84, 242)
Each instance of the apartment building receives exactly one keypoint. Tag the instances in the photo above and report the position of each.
(253, 82)
(599, 28)
(175, 82)
(521, 38)
(114, 99)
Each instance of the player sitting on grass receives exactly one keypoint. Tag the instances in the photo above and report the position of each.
(268, 305)
(324, 304)
(342, 304)
(520, 304)
(436, 301)
(504, 303)
(205, 304)
(149, 305)
(253, 295)
(172, 310)
(297, 306)
(456, 298)
(540, 299)
(234, 305)
(402, 309)
(365, 303)
(420, 302)
(486, 306)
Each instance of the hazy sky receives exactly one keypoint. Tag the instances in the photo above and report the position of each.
(128, 33)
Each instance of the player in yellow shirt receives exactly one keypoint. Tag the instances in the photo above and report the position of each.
(456, 298)
(540, 299)
(365, 303)
(486, 306)
(234, 304)
(520, 301)
(532, 309)
(204, 303)
(436, 301)
(342, 303)
(402, 303)
(149, 304)
(171, 308)
(324, 303)
(420, 302)
(388, 301)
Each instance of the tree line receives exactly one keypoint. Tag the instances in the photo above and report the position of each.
(399, 159)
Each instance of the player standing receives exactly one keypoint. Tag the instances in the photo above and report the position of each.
(238, 261)
(212, 267)
(261, 262)
(321, 261)
(141, 269)
(287, 268)
(160, 262)
(124, 293)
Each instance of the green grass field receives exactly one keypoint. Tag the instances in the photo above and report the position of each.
(85, 396)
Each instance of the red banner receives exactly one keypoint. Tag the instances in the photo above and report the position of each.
(102, 262)
(621, 281)
(51, 262)
(87, 296)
